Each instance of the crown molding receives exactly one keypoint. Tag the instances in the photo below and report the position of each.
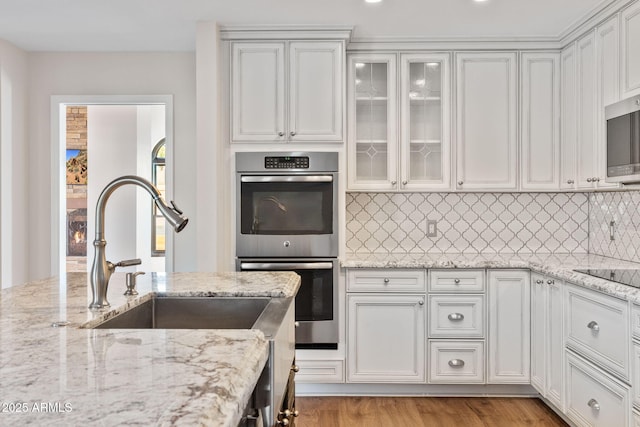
(288, 32)
(592, 19)
(452, 43)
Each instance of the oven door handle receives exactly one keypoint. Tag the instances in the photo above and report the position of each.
(286, 266)
(287, 178)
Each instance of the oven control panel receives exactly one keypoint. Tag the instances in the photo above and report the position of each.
(301, 162)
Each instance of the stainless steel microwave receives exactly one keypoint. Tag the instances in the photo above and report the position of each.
(623, 140)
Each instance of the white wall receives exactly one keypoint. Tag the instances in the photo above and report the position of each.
(151, 129)
(110, 74)
(15, 167)
(112, 133)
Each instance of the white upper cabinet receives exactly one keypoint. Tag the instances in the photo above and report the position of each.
(630, 48)
(569, 110)
(586, 112)
(425, 123)
(315, 91)
(373, 141)
(608, 87)
(486, 87)
(417, 155)
(258, 92)
(308, 74)
(540, 121)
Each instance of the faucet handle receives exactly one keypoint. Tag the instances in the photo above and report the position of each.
(131, 283)
(129, 262)
(175, 208)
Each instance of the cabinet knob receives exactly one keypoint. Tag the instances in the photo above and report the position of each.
(460, 182)
(593, 325)
(421, 302)
(456, 281)
(386, 280)
(550, 282)
(588, 179)
(456, 363)
(292, 133)
(593, 404)
(295, 368)
(455, 316)
(393, 182)
(596, 179)
(405, 182)
(539, 282)
(280, 133)
(570, 181)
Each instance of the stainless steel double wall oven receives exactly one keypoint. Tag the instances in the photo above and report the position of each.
(287, 220)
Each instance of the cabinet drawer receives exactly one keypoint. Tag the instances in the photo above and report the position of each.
(456, 316)
(595, 398)
(597, 327)
(456, 362)
(636, 419)
(455, 280)
(386, 280)
(320, 371)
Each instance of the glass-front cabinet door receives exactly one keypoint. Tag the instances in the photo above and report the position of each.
(425, 121)
(373, 144)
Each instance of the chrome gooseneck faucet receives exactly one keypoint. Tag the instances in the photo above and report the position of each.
(102, 269)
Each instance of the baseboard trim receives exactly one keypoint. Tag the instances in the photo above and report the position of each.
(436, 390)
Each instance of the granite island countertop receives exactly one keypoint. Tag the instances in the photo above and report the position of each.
(72, 376)
(560, 266)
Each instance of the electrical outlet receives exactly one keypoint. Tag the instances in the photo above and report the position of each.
(432, 228)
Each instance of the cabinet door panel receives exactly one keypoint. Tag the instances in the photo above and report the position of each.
(538, 332)
(630, 49)
(555, 344)
(258, 92)
(486, 120)
(386, 338)
(509, 326)
(540, 121)
(372, 142)
(425, 134)
(315, 91)
(569, 118)
(586, 102)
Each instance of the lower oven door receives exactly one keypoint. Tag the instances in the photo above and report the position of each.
(316, 301)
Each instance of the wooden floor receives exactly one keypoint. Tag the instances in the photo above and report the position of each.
(423, 411)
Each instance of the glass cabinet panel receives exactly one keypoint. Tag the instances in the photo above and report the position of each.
(372, 142)
(425, 150)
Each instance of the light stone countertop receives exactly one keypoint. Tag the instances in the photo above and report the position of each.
(70, 376)
(560, 266)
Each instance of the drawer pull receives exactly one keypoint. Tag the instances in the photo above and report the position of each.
(550, 282)
(456, 281)
(456, 363)
(593, 325)
(455, 316)
(539, 282)
(593, 404)
(386, 280)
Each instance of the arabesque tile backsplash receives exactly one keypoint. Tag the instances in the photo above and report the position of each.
(468, 222)
(623, 208)
(496, 222)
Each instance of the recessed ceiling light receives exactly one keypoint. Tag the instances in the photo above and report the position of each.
(372, 1)
(479, 1)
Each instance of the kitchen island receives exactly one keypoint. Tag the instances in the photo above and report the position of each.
(69, 375)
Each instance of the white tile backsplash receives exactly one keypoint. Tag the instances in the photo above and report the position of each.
(467, 222)
(624, 209)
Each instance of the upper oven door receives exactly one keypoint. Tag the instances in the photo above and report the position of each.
(287, 215)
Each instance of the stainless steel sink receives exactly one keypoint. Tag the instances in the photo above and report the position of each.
(162, 312)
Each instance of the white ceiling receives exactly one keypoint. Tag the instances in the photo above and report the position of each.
(169, 25)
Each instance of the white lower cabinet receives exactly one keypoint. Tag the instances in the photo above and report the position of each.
(595, 398)
(320, 371)
(547, 341)
(456, 362)
(386, 338)
(636, 418)
(509, 327)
